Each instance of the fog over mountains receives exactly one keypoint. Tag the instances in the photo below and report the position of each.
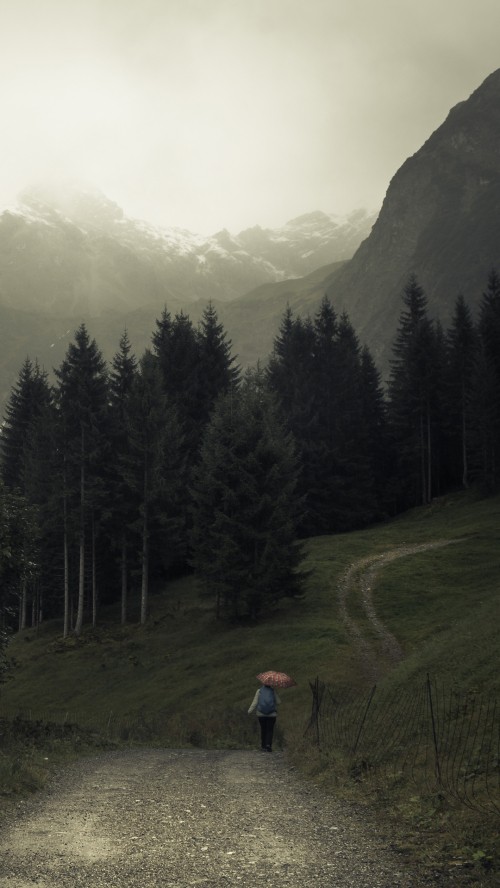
(74, 251)
(73, 255)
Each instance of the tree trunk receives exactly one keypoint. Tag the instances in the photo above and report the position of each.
(81, 578)
(37, 604)
(22, 604)
(429, 456)
(145, 568)
(94, 576)
(465, 467)
(67, 623)
(124, 571)
(423, 485)
(66, 620)
(145, 548)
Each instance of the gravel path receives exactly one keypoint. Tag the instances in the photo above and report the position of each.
(148, 818)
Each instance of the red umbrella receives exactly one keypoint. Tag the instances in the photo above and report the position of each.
(276, 679)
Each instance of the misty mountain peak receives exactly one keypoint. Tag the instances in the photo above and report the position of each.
(315, 218)
(85, 206)
(68, 249)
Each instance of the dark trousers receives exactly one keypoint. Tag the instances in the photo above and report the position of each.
(267, 723)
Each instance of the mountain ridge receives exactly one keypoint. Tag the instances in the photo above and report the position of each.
(74, 257)
(78, 252)
(439, 220)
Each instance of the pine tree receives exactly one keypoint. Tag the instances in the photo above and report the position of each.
(461, 356)
(381, 455)
(28, 398)
(489, 319)
(315, 370)
(413, 386)
(82, 400)
(289, 374)
(176, 345)
(162, 342)
(245, 505)
(43, 487)
(153, 468)
(486, 385)
(124, 504)
(336, 465)
(217, 371)
(19, 554)
(357, 504)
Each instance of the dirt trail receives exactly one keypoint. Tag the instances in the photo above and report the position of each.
(356, 585)
(151, 818)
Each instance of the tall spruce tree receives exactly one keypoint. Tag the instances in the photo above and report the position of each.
(27, 400)
(82, 400)
(315, 370)
(43, 487)
(486, 394)
(176, 345)
(218, 372)
(461, 357)
(357, 504)
(289, 374)
(381, 455)
(123, 372)
(413, 385)
(244, 545)
(19, 551)
(154, 470)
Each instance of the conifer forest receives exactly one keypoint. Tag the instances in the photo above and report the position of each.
(115, 478)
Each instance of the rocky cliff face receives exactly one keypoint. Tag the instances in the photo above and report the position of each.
(440, 220)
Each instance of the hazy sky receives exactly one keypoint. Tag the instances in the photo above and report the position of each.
(229, 113)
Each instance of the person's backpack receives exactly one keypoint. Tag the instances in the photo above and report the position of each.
(267, 703)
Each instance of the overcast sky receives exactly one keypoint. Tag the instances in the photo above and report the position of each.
(207, 114)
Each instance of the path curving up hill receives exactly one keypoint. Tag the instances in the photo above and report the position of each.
(380, 648)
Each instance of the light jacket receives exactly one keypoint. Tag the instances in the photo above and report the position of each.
(254, 702)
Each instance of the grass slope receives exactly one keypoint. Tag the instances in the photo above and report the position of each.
(442, 605)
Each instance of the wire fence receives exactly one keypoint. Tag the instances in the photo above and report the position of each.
(443, 739)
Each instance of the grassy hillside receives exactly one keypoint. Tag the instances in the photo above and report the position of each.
(183, 669)
(442, 605)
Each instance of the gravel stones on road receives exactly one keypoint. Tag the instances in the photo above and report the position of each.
(157, 818)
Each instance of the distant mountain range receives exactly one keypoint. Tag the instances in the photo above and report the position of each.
(75, 252)
(74, 256)
(440, 220)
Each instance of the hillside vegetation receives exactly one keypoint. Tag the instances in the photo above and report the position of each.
(169, 682)
(442, 605)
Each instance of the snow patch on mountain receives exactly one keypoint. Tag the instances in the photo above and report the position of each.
(74, 247)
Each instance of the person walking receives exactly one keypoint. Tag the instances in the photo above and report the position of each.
(265, 703)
